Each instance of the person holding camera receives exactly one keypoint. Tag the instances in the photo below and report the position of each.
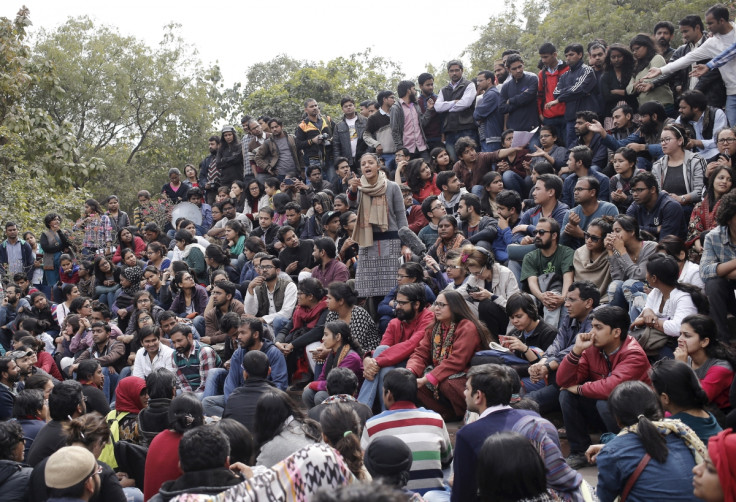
(314, 139)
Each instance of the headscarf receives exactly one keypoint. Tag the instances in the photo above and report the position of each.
(134, 275)
(388, 456)
(128, 395)
(372, 209)
(722, 450)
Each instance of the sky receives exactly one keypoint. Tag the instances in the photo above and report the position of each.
(238, 34)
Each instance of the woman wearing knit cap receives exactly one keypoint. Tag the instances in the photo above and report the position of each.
(715, 478)
(130, 284)
(380, 215)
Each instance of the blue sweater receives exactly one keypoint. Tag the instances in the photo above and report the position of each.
(279, 374)
(667, 213)
(519, 100)
(488, 114)
(568, 187)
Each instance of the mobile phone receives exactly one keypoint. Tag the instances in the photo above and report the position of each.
(473, 289)
(288, 181)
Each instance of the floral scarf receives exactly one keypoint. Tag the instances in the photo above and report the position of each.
(685, 433)
(442, 249)
(442, 347)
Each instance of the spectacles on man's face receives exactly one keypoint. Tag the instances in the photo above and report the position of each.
(399, 276)
(541, 233)
(401, 302)
(264, 267)
(639, 190)
(593, 238)
(726, 141)
(435, 208)
(580, 189)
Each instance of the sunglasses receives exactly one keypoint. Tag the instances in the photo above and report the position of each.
(593, 238)
(541, 232)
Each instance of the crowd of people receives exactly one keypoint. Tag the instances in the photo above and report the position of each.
(315, 307)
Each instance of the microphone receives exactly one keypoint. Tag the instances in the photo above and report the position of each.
(414, 243)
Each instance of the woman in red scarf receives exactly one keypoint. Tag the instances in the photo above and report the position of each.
(305, 329)
(443, 356)
(715, 479)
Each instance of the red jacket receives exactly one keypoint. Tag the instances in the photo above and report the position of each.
(140, 248)
(403, 337)
(416, 219)
(464, 346)
(546, 88)
(596, 377)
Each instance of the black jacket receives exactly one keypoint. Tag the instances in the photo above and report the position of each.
(153, 419)
(270, 238)
(341, 140)
(14, 478)
(110, 489)
(241, 405)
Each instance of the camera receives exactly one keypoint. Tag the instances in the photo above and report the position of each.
(325, 139)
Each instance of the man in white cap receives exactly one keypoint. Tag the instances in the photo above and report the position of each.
(72, 474)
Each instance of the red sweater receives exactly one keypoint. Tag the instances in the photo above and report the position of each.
(466, 344)
(591, 370)
(162, 462)
(140, 248)
(46, 362)
(402, 338)
(717, 384)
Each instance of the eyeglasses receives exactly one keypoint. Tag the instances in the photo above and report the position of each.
(581, 189)
(399, 276)
(478, 272)
(593, 238)
(454, 267)
(726, 141)
(638, 190)
(571, 300)
(400, 302)
(664, 141)
(435, 208)
(142, 300)
(541, 232)
(265, 267)
(439, 305)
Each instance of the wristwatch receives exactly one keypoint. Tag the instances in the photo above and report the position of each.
(546, 365)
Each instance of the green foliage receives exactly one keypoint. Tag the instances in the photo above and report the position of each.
(278, 88)
(527, 25)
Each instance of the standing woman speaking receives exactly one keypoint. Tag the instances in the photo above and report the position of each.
(380, 215)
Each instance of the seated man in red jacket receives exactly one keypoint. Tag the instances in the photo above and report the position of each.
(597, 363)
(401, 337)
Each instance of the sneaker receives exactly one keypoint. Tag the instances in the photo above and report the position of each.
(577, 460)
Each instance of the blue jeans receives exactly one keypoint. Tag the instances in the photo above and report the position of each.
(312, 398)
(570, 133)
(512, 181)
(215, 382)
(546, 396)
(388, 158)
(578, 413)
(490, 147)
(560, 126)
(452, 137)
(372, 388)
(106, 295)
(477, 190)
(731, 108)
(278, 322)
(213, 406)
(622, 293)
(199, 324)
(516, 256)
(111, 383)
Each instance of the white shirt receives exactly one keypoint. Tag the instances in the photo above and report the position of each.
(677, 307)
(457, 105)
(691, 275)
(143, 366)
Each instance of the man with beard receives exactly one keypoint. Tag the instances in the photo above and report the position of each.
(314, 138)
(663, 33)
(222, 301)
(296, 253)
(655, 211)
(9, 376)
(89, 374)
(328, 269)
(408, 121)
(9, 309)
(480, 230)
(43, 312)
(256, 138)
(279, 155)
(17, 253)
(551, 262)
(72, 473)
(294, 217)
(349, 133)
(645, 140)
(109, 353)
(266, 230)
(245, 365)
(229, 212)
(401, 337)
(487, 113)
(456, 102)
(580, 164)
(426, 101)
(588, 207)
(519, 96)
(194, 362)
(270, 298)
(209, 172)
(499, 69)
(702, 121)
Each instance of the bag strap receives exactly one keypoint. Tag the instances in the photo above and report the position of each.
(632, 479)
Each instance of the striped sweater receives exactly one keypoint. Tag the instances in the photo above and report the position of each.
(424, 432)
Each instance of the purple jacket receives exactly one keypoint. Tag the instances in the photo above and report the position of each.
(352, 361)
(179, 306)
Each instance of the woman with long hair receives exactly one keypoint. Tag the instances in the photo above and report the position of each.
(689, 272)
(548, 150)
(68, 293)
(703, 217)
(682, 396)
(444, 353)
(191, 176)
(255, 200)
(666, 449)
(235, 236)
(712, 360)
(175, 190)
(129, 259)
(229, 157)
(439, 160)
(190, 298)
(667, 304)
(193, 254)
(341, 429)
(449, 237)
(185, 413)
(420, 179)
(53, 243)
(107, 281)
(628, 255)
(298, 338)
(345, 352)
(624, 163)
(237, 195)
(619, 68)
(381, 214)
(321, 205)
(341, 302)
(679, 172)
(492, 185)
(644, 52)
(218, 261)
(128, 238)
(591, 260)
(281, 428)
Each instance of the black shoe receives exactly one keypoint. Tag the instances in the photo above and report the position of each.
(577, 460)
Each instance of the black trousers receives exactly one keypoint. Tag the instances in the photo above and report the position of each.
(720, 292)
